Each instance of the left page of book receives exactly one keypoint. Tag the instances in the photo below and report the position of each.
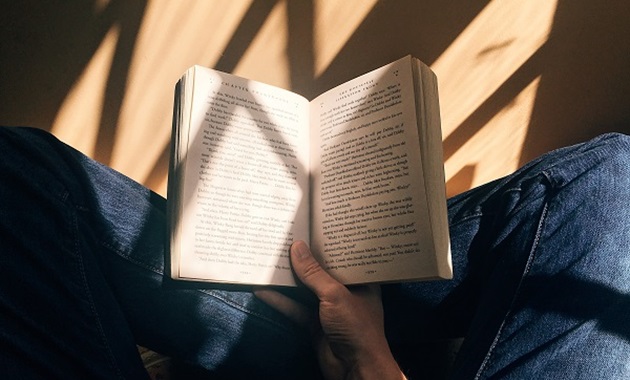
(240, 179)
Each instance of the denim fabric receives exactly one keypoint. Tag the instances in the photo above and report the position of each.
(541, 287)
(542, 272)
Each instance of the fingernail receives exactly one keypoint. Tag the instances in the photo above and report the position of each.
(301, 250)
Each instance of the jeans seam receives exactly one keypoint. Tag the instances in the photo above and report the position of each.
(479, 213)
(467, 218)
(207, 292)
(112, 248)
(99, 326)
(244, 309)
(517, 293)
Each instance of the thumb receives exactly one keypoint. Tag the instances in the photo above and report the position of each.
(310, 272)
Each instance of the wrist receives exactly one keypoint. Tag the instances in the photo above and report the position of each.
(379, 367)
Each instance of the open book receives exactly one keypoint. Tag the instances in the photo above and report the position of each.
(357, 173)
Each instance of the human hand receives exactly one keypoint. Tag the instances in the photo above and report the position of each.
(348, 331)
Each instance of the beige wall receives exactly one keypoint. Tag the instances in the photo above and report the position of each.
(517, 78)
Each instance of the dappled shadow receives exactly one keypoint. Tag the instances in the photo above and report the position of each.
(300, 52)
(585, 82)
(500, 99)
(46, 47)
(130, 15)
(244, 34)
(461, 181)
(584, 85)
(394, 29)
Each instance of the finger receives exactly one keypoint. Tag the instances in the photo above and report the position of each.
(311, 273)
(287, 306)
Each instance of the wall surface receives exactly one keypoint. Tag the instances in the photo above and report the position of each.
(517, 78)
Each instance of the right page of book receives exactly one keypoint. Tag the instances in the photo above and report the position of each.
(370, 216)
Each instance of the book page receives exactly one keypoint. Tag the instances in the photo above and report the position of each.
(370, 218)
(246, 181)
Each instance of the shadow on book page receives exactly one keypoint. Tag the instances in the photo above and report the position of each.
(352, 172)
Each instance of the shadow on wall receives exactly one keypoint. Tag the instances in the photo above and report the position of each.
(584, 88)
(45, 48)
(585, 84)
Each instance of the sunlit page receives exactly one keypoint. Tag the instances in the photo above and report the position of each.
(246, 192)
(369, 201)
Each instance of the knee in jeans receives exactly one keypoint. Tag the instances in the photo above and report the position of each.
(612, 170)
(616, 150)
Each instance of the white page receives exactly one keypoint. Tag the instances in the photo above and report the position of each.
(368, 198)
(246, 190)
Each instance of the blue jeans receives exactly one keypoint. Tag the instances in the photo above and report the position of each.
(541, 287)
